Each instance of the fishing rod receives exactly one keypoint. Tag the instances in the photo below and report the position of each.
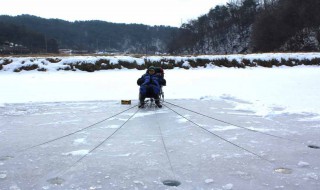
(253, 153)
(225, 122)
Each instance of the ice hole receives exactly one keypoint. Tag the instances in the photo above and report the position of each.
(4, 158)
(171, 183)
(314, 146)
(56, 181)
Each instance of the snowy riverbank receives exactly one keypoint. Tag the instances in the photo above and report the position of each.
(95, 63)
(293, 89)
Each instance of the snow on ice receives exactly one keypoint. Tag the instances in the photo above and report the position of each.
(76, 153)
(303, 164)
(209, 181)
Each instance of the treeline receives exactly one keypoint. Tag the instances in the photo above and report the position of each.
(22, 36)
(245, 26)
(91, 36)
(240, 26)
(288, 25)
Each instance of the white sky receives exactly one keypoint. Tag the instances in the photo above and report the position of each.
(150, 12)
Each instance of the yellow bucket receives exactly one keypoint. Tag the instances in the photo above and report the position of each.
(125, 102)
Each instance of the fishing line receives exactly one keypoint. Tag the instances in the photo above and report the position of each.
(252, 130)
(166, 150)
(58, 138)
(79, 160)
(262, 158)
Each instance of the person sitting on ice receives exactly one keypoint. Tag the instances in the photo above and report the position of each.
(150, 86)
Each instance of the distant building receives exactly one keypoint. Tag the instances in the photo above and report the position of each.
(12, 48)
(65, 51)
(80, 51)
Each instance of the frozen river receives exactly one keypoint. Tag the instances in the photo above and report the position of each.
(79, 145)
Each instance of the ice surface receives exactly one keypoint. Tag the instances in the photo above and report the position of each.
(157, 144)
(135, 157)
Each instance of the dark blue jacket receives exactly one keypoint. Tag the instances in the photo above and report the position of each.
(148, 81)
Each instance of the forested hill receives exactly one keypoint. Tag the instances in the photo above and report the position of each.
(41, 34)
(240, 26)
(246, 26)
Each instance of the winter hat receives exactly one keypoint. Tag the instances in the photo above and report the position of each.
(151, 68)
